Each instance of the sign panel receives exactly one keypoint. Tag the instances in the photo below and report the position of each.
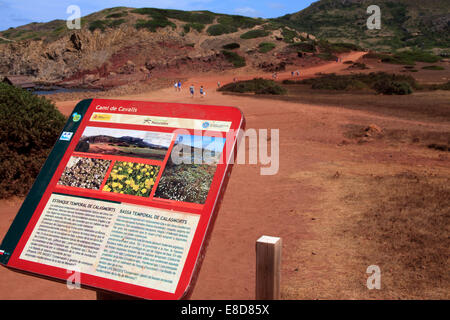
(127, 197)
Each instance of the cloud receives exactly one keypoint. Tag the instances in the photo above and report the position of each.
(246, 11)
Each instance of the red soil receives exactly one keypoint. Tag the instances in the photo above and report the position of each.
(297, 204)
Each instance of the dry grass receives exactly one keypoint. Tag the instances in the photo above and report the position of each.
(404, 228)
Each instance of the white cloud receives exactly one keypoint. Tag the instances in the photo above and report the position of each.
(246, 11)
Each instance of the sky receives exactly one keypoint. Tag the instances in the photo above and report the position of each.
(14, 13)
(211, 143)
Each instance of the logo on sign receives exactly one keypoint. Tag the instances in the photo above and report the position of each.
(76, 117)
(66, 136)
(205, 124)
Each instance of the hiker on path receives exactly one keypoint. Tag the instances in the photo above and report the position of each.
(176, 86)
(192, 90)
(218, 84)
(202, 91)
(179, 85)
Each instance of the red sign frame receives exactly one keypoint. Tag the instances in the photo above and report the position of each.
(207, 211)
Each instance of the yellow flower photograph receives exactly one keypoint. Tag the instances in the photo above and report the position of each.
(130, 178)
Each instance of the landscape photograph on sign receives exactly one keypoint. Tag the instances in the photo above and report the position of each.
(86, 173)
(131, 178)
(125, 143)
(190, 169)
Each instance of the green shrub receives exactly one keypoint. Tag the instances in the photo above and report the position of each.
(203, 17)
(393, 87)
(393, 83)
(239, 22)
(196, 26)
(303, 47)
(231, 46)
(117, 15)
(30, 126)
(103, 24)
(219, 29)
(265, 47)
(257, 85)
(288, 35)
(252, 34)
(442, 86)
(154, 24)
(237, 60)
(98, 24)
(404, 57)
(433, 68)
(328, 56)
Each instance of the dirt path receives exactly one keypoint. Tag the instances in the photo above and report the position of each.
(302, 203)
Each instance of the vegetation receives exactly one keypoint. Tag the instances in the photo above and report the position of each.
(393, 87)
(404, 57)
(338, 47)
(265, 47)
(237, 60)
(30, 127)
(196, 26)
(381, 82)
(443, 86)
(103, 24)
(303, 46)
(232, 23)
(433, 68)
(252, 34)
(405, 23)
(257, 85)
(201, 17)
(117, 15)
(219, 29)
(154, 24)
(130, 178)
(231, 46)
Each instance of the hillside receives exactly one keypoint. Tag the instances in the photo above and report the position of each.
(121, 45)
(404, 23)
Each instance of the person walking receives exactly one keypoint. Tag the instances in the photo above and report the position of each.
(176, 86)
(179, 85)
(202, 91)
(218, 84)
(192, 90)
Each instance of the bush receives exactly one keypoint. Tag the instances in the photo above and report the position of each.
(232, 46)
(239, 22)
(442, 86)
(154, 24)
(30, 126)
(303, 47)
(196, 26)
(393, 87)
(219, 29)
(204, 17)
(265, 47)
(252, 34)
(98, 24)
(117, 15)
(433, 68)
(103, 24)
(381, 82)
(234, 58)
(257, 85)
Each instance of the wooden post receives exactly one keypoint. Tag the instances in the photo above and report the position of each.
(268, 268)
